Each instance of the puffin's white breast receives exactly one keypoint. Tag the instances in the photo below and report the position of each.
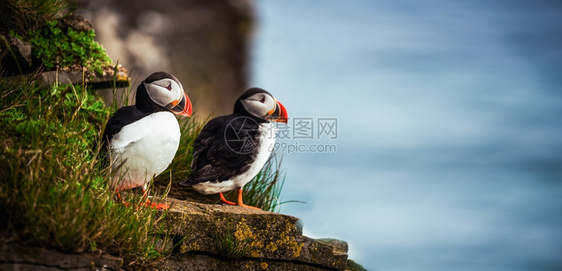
(145, 147)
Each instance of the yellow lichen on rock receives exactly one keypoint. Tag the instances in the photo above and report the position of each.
(296, 247)
(272, 247)
(243, 231)
(195, 246)
(288, 239)
(183, 248)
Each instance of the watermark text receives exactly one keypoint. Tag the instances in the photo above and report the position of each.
(296, 147)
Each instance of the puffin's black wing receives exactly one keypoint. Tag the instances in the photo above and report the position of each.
(122, 117)
(227, 146)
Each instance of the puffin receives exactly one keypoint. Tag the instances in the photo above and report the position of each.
(230, 150)
(141, 140)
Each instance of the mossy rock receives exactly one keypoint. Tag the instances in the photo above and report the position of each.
(252, 234)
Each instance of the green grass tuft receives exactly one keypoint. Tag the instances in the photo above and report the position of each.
(228, 246)
(53, 191)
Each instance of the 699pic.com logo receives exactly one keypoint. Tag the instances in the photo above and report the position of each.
(240, 135)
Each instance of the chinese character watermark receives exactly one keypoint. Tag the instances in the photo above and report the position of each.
(303, 128)
(242, 135)
(328, 127)
(308, 128)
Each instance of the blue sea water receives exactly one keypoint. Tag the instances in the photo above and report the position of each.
(449, 128)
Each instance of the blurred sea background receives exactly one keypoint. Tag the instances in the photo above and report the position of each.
(449, 127)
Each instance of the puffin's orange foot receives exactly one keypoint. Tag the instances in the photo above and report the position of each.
(159, 206)
(223, 199)
(147, 204)
(248, 206)
(241, 201)
(119, 198)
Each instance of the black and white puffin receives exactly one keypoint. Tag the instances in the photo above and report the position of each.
(142, 139)
(232, 149)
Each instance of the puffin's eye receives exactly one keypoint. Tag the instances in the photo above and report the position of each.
(169, 87)
(262, 100)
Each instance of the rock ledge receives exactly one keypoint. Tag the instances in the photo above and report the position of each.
(207, 237)
(262, 240)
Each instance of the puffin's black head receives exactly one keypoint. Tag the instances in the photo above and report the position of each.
(258, 103)
(163, 91)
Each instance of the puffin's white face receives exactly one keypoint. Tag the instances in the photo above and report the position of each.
(164, 91)
(260, 105)
(169, 93)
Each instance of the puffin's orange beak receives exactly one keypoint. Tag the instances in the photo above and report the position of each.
(279, 114)
(182, 107)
